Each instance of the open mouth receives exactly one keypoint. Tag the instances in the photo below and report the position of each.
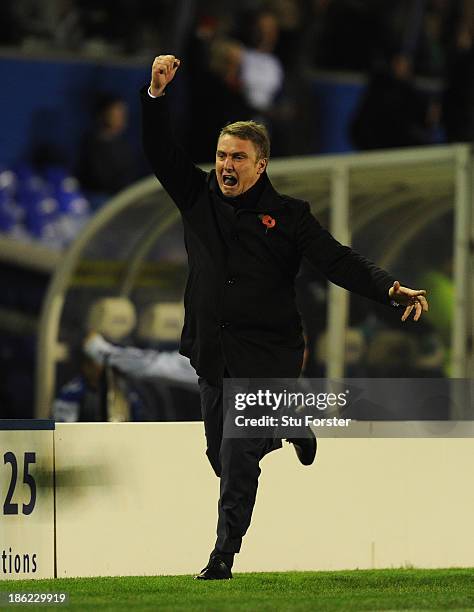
(229, 180)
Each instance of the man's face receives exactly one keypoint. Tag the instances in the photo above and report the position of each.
(237, 166)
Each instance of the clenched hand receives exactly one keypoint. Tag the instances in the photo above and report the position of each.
(162, 72)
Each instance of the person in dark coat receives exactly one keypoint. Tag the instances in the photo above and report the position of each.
(458, 98)
(392, 113)
(245, 243)
(106, 163)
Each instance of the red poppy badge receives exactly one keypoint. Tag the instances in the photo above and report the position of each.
(268, 221)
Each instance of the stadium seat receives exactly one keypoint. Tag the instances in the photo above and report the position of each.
(113, 317)
(161, 323)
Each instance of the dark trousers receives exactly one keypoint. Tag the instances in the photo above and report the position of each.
(236, 462)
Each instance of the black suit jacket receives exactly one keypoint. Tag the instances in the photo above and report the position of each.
(240, 299)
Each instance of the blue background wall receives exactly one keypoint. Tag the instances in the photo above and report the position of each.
(50, 102)
(335, 103)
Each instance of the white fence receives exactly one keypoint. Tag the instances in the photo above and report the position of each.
(140, 499)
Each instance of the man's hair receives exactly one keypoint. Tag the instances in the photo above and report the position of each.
(253, 131)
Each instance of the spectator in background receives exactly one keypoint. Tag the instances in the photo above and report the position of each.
(83, 398)
(429, 57)
(10, 30)
(107, 388)
(236, 79)
(262, 72)
(290, 15)
(98, 393)
(392, 112)
(264, 83)
(140, 363)
(458, 100)
(216, 93)
(341, 33)
(107, 162)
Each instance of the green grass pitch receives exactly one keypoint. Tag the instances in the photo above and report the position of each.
(376, 590)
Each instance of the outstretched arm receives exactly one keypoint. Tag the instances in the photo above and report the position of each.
(170, 163)
(138, 362)
(346, 268)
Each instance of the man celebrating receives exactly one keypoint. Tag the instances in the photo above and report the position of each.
(245, 243)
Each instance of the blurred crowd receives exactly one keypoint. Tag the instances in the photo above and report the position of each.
(258, 60)
(255, 60)
(326, 34)
(252, 60)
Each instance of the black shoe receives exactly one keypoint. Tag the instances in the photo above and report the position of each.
(305, 447)
(216, 569)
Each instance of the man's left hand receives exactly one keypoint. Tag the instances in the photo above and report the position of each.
(413, 299)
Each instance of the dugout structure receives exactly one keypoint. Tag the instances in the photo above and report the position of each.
(383, 201)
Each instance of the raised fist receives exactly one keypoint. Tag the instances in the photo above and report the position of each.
(162, 72)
